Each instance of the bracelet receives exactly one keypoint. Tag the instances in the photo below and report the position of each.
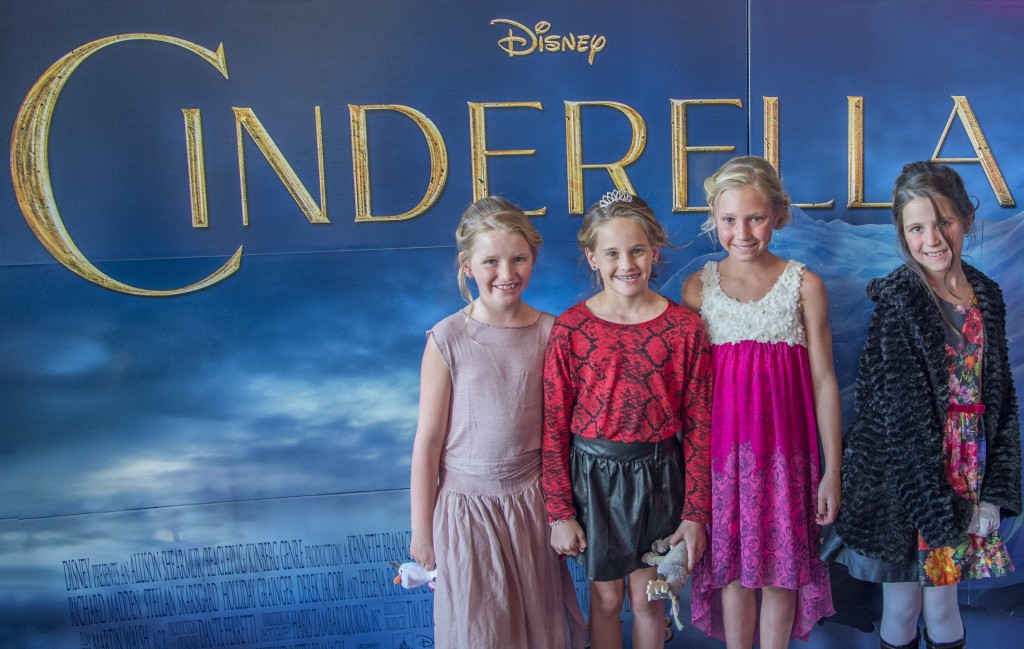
(557, 523)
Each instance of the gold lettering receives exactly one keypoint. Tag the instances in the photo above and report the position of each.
(30, 168)
(855, 156)
(361, 160)
(771, 131)
(245, 118)
(514, 45)
(574, 150)
(196, 167)
(596, 45)
(538, 40)
(962, 109)
(771, 143)
(478, 145)
(681, 150)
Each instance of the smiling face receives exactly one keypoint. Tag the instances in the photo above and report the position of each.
(744, 220)
(501, 264)
(934, 240)
(623, 256)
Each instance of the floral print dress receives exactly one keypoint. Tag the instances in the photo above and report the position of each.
(964, 446)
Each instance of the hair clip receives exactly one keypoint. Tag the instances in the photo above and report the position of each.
(615, 196)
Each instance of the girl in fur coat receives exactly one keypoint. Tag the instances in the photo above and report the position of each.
(932, 460)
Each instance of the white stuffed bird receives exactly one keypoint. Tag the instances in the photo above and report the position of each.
(413, 575)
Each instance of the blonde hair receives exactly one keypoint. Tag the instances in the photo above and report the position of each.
(747, 171)
(636, 210)
(485, 215)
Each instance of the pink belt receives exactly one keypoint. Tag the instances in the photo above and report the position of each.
(967, 408)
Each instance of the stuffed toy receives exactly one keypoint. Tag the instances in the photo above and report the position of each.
(671, 564)
(413, 575)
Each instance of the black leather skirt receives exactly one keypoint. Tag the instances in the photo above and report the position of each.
(627, 495)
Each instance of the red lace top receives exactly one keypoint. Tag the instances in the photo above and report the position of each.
(628, 383)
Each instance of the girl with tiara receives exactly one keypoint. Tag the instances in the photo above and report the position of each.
(627, 408)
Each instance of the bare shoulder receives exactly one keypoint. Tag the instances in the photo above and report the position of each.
(813, 300)
(692, 288)
(812, 286)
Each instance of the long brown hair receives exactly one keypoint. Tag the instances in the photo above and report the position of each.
(944, 189)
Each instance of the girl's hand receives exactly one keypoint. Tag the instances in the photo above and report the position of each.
(696, 539)
(988, 519)
(568, 538)
(828, 499)
(422, 552)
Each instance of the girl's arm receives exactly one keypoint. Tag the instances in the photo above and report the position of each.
(431, 429)
(698, 392)
(827, 412)
(693, 288)
(567, 536)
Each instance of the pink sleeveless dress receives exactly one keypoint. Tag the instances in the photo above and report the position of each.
(499, 582)
(765, 466)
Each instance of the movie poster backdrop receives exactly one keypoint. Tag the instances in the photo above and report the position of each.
(229, 224)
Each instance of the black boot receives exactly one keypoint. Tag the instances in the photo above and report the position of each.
(913, 644)
(956, 644)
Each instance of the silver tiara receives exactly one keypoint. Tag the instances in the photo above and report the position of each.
(615, 196)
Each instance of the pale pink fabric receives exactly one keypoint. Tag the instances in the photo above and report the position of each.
(499, 583)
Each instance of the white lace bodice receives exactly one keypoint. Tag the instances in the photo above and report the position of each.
(775, 318)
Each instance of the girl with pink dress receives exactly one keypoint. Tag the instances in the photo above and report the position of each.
(477, 505)
(775, 393)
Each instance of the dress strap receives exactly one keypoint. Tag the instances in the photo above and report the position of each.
(709, 276)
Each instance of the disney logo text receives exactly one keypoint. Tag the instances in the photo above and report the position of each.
(538, 40)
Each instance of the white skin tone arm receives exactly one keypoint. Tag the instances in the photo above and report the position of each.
(826, 392)
(568, 538)
(696, 540)
(431, 429)
(691, 297)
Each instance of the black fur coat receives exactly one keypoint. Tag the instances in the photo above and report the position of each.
(894, 479)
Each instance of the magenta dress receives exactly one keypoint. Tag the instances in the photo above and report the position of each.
(764, 455)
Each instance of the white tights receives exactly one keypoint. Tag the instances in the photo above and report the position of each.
(903, 603)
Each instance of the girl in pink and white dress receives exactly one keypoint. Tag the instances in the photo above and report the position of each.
(775, 393)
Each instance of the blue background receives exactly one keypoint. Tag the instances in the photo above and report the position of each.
(280, 404)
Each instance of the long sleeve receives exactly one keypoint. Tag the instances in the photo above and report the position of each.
(1002, 481)
(695, 414)
(559, 398)
(914, 430)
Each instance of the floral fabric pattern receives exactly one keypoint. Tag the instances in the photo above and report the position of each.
(747, 543)
(964, 445)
